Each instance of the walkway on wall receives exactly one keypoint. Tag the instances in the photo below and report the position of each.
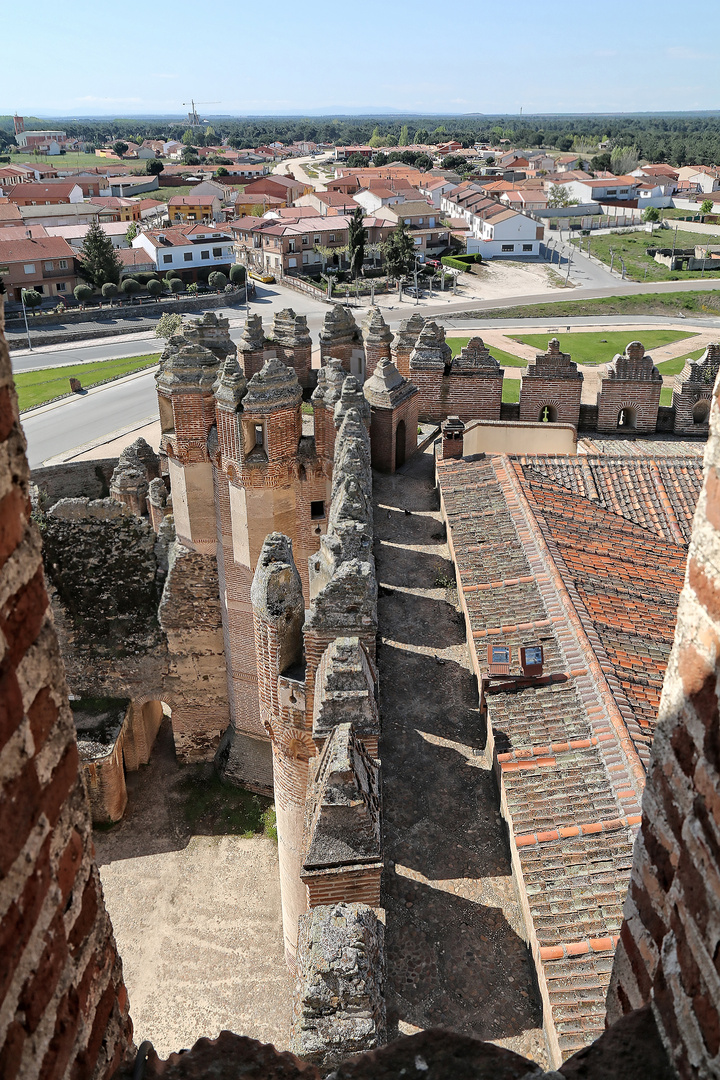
(456, 957)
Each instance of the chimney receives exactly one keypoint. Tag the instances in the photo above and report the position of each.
(452, 437)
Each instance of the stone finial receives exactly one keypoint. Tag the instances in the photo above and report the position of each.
(475, 357)
(339, 328)
(158, 493)
(339, 997)
(343, 822)
(331, 377)
(186, 368)
(431, 351)
(553, 364)
(348, 603)
(230, 386)
(351, 397)
(212, 332)
(252, 338)
(700, 374)
(276, 586)
(345, 691)
(554, 347)
(274, 387)
(409, 331)
(376, 330)
(633, 365)
(290, 330)
(352, 451)
(386, 388)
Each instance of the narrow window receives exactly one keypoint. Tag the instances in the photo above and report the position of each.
(317, 510)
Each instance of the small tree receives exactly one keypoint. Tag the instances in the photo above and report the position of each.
(131, 232)
(188, 138)
(192, 288)
(706, 206)
(32, 298)
(168, 325)
(119, 148)
(217, 280)
(109, 290)
(651, 215)
(154, 167)
(237, 274)
(404, 139)
(130, 286)
(177, 285)
(399, 251)
(558, 196)
(357, 238)
(154, 287)
(99, 261)
(82, 293)
(222, 171)
(357, 161)
(190, 156)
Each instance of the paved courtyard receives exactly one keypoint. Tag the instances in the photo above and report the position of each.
(196, 917)
(456, 956)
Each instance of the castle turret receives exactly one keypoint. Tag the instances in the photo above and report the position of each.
(405, 341)
(187, 414)
(692, 395)
(325, 395)
(212, 331)
(378, 340)
(340, 337)
(293, 344)
(551, 388)
(629, 395)
(393, 404)
(251, 348)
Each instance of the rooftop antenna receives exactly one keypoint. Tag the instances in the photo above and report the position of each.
(193, 118)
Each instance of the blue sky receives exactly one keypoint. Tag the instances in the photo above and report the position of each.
(416, 55)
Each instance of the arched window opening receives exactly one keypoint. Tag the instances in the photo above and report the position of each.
(548, 415)
(626, 418)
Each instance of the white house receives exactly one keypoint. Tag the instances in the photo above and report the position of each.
(507, 234)
(600, 189)
(700, 177)
(371, 201)
(187, 248)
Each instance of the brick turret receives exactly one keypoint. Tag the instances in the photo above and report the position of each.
(551, 388)
(405, 342)
(629, 396)
(251, 348)
(394, 403)
(340, 337)
(212, 331)
(469, 386)
(378, 340)
(331, 377)
(293, 344)
(692, 395)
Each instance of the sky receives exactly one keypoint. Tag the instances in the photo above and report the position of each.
(471, 56)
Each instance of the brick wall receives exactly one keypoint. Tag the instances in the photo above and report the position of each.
(344, 884)
(384, 424)
(471, 397)
(630, 392)
(63, 1004)
(670, 939)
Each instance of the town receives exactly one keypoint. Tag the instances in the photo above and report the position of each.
(359, 568)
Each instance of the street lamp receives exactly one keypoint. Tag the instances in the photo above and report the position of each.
(27, 328)
(415, 272)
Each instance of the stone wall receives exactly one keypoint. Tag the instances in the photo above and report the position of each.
(551, 388)
(63, 1004)
(629, 396)
(670, 939)
(468, 385)
(74, 479)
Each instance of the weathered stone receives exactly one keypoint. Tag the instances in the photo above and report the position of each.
(186, 367)
(351, 397)
(231, 385)
(431, 352)
(339, 333)
(345, 692)
(339, 1005)
(693, 388)
(475, 357)
(212, 332)
(387, 388)
(274, 387)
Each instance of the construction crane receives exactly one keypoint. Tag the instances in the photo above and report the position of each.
(193, 118)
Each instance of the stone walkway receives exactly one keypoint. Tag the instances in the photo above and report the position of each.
(456, 956)
(197, 918)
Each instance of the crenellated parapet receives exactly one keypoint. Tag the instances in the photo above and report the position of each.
(184, 383)
(629, 396)
(378, 340)
(692, 396)
(212, 332)
(251, 348)
(551, 388)
(340, 337)
(326, 394)
(405, 342)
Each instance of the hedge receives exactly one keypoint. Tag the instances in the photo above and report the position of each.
(461, 262)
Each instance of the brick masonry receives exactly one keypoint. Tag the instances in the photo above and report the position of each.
(63, 1003)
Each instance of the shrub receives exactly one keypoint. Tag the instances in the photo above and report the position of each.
(217, 280)
(461, 262)
(237, 274)
(33, 298)
(82, 293)
(168, 324)
(177, 285)
(154, 287)
(192, 288)
(109, 290)
(172, 274)
(229, 288)
(130, 286)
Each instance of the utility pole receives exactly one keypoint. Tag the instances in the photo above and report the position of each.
(674, 242)
(567, 276)
(27, 328)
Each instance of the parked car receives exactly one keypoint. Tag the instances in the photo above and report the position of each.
(267, 279)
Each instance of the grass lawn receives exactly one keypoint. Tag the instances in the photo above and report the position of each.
(164, 194)
(706, 302)
(631, 247)
(38, 387)
(506, 358)
(511, 391)
(675, 366)
(666, 396)
(589, 348)
(217, 809)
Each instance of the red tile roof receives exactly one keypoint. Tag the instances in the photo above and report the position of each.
(43, 247)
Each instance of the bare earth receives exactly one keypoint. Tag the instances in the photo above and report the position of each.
(197, 919)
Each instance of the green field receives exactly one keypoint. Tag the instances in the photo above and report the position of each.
(505, 358)
(511, 391)
(164, 194)
(666, 396)
(631, 248)
(598, 348)
(38, 387)
(706, 302)
(675, 366)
